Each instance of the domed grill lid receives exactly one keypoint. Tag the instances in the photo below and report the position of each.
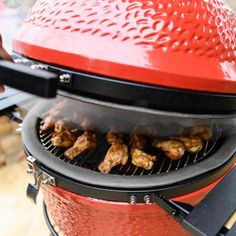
(178, 44)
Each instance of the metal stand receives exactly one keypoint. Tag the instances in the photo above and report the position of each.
(49, 224)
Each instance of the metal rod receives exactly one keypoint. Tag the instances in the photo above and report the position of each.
(162, 164)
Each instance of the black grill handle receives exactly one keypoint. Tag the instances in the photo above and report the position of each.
(215, 215)
(35, 81)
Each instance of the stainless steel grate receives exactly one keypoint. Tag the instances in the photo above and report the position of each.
(93, 158)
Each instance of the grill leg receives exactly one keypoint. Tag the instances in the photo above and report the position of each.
(49, 224)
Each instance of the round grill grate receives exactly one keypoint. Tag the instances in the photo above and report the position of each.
(163, 164)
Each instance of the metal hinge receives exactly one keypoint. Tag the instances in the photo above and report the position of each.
(40, 177)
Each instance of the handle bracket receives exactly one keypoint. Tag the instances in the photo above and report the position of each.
(38, 82)
(212, 215)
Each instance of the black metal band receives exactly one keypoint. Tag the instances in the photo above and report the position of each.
(149, 96)
(144, 95)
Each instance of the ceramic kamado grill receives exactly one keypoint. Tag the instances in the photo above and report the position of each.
(158, 68)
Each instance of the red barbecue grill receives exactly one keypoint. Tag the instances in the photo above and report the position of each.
(160, 69)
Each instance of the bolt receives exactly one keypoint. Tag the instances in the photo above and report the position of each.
(147, 199)
(132, 200)
(65, 78)
(174, 213)
(21, 61)
(47, 180)
(31, 159)
(30, 171)
(39, 66)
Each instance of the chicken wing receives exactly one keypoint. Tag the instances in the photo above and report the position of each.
(203, 132)
(192, 144)
(139, 157)
(113, 137)
(52, 115)
(83, 143)
(142, 159)
(64, 124)
(49, 123)
(64, 139)
(172, 148)
(117, 154)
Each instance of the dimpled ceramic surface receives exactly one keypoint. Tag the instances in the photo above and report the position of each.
(75, 215)
(182, 44)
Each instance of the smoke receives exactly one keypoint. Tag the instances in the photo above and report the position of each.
(103, 118)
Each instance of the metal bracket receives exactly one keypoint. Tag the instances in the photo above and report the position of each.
(214, 215)
(178, 210)
(39, 177)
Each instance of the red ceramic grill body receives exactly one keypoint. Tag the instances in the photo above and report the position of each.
(182, 44)
(76, 215)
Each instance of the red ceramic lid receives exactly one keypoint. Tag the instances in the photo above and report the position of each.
(179, 44)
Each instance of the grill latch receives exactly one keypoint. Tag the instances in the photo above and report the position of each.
(39, 177)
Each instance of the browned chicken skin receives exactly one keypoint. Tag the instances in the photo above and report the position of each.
(64, 124)
(83, 143)
(192, 144)
(139, 157)
(117, 154)
(203, 132)
(64, 139)
(49, 123)
(172, 148)
(142, 159)
(52, 116)
(113, 137)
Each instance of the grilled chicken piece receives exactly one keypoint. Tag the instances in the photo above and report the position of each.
(139, 157)
(192, 144)
(117, 154)
(83, 143)
(203, 132)
(137, 141)
(52, 115)
(172, 148)
(49, 123)
(64, 139)
(142, 159)
(64, 124)
(113, 137)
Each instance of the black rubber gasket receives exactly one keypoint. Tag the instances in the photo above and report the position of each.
(74, 178)
(144, 95)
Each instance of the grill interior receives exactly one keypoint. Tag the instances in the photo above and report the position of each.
(163, 164)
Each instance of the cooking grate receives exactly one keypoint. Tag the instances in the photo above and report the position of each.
(163, 164)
